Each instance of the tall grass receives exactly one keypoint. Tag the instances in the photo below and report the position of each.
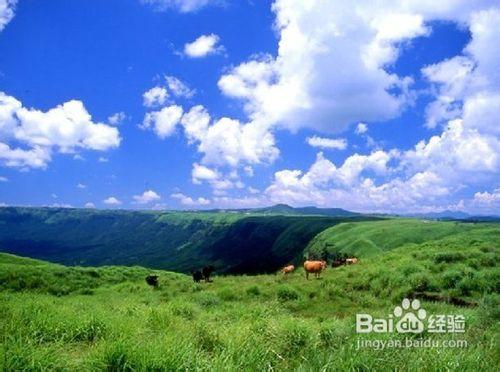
(254, 323)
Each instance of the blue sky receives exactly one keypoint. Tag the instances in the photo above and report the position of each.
(205, 104)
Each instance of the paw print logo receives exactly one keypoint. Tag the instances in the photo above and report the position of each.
(411, 317)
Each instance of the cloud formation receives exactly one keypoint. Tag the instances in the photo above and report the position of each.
(67, 128)
(146, 197)
(183, 6)
(203, 46)
(327, 143)
(7, 8)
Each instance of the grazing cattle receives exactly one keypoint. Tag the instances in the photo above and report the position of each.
(352, 260)
(337, 263)
(288, 269)
(152, 280)
(314, 267)
(197, 276)
(206, 272)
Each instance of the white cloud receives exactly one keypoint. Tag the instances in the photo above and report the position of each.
(117, 118)
(327, 143)
(65, 129)
(361, 128)
(248, 171)
(456, 152)
(4, 179)
(351, 186)
(147, 197)
(156, 96)
(183, 6)
(163, 122)
(202, 173)
(89, 205)
(178, 88)
(187, 200)
(228, 142)
(7, 8)
(195, 123)
(299, 88)
(253, 190)
(81, 186)
(112, 201)
(203, 46)
(36, 157)
(487, 198)
(102, 159)
(214, 178)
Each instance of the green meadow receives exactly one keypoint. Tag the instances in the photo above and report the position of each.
(55, 317)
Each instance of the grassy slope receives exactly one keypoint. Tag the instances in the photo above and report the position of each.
(367, 239)
(248, 322)
(234, 242)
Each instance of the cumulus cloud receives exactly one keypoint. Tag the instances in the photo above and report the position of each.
(183, 6)
(147, 196)
(189, 201)
(7, 8)
(228, 142)
(156, 96)
(361, 128)
(489, 199)
(327, 143)
(89, 205)
(112, 201)
(203, 46)
(117, 118)
(66, 128)
(163, 122)
(178, 88)
(299, 88)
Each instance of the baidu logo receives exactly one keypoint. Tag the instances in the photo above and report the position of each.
(410, 317)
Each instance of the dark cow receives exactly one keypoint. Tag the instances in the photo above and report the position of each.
(152, 280)
(337, 263)
(206, 272)
(197, 276)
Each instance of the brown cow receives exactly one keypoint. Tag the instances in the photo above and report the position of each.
(288, 269)
(351, 261)
(314, 267)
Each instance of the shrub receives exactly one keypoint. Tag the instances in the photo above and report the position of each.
(449, 257)
(451, 278)
(117, 358)
(287, 294)
(295, 336)
(253, 290)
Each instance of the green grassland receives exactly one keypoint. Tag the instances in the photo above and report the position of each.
(82, 318)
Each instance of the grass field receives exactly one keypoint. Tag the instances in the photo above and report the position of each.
(108, 318)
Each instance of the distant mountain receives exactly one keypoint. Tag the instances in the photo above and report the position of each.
(285, 209)
(453, 215)
(456, 215)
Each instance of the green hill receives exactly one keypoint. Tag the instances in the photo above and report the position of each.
(365, 239)
(179, 241)
(107, 318)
